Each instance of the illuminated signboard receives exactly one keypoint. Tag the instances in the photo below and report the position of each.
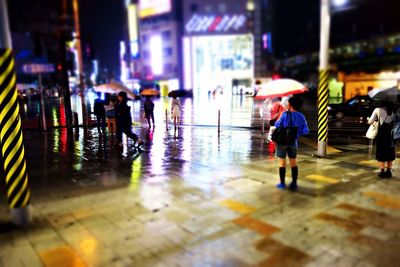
(38, 68)
(133, 31)
(211, 23)
(149, 8)
(133, 27)
(156, 48)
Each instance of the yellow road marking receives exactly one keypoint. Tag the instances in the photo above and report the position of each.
(62, 256)
(314, 145)
(321, 178)
(369, 163)
(256, 225)
(384, 200)
(238, 206)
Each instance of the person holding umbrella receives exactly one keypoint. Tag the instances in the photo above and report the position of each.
(149, 111)
(149, 105)
(385, 147)
(124, 120)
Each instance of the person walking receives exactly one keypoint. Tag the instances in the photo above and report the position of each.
(290, 118)
(124, 120)
(385, 146)
(176, 112)
(149, 111)
(100, 113)
(110, 115)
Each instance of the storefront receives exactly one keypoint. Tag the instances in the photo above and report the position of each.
(222, 64)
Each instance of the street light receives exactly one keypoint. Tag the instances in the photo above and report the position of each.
(339, 3)
(324, 73)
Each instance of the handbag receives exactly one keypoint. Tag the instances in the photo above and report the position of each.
(285, 135)
(373, 128)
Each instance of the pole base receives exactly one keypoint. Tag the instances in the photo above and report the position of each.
(322, 149)
(21, 216)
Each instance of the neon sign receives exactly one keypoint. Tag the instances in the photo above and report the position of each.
(149, 8)
(225, 23)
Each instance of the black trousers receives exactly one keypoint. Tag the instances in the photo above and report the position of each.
(101, 122)
(150, 115)
(126, 129)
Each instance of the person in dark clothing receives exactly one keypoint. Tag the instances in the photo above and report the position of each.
(124, 120)
(100, 113)
(149, 111)
(385, 147)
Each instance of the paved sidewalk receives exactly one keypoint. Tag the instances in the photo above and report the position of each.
(197, 201)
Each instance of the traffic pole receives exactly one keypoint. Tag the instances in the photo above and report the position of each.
(42, 105)
(75, 6)
(11, 139)
(323, 79)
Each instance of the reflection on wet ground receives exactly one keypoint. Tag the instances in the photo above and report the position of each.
(236, 111)
(197, 200)
(200, 200)
(57, 156)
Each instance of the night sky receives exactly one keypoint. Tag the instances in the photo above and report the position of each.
(103, 23)
(296, 24)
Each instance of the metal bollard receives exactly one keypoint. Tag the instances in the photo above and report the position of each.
(166, 119)
(262, 126)
(76, 120)
(219, 123)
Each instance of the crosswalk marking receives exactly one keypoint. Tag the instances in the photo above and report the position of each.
(321, 178)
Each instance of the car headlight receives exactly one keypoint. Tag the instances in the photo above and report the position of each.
(329, 108)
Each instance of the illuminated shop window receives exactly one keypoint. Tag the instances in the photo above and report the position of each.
(166, 35)
(168, 68)
(146, 54)
(168, 52)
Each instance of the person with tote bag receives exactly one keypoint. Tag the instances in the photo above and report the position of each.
(385, 147)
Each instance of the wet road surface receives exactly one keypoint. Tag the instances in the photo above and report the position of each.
(236, 111)
(200, 200)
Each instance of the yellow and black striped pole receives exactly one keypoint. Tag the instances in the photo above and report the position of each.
(323, 110)
(323, 78)
(11, 139)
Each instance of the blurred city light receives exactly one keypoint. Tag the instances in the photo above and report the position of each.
(156, 54)
(340, 2)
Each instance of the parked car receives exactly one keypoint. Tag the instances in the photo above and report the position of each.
(358, 106)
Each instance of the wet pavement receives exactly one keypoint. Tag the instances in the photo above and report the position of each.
(236, 111)
(200, 200)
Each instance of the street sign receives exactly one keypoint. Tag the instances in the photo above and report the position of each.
(38, 68)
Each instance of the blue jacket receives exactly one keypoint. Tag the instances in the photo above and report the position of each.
(298, 120)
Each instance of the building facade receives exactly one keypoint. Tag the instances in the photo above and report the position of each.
(155, 43)
(223, 46)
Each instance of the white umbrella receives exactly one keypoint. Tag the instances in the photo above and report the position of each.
(114, 88)
(280, 88)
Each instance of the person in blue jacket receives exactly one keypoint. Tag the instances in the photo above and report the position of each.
(298, 120)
